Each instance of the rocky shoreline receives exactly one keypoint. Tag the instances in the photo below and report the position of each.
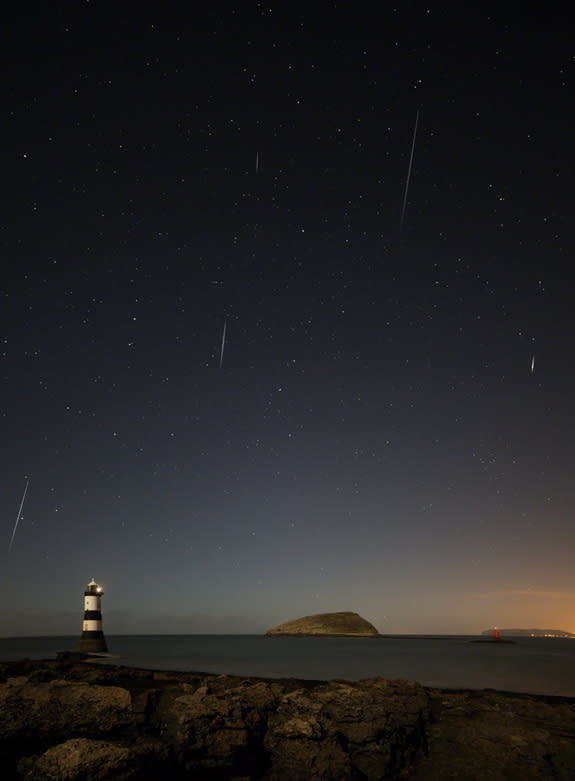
(69, 720)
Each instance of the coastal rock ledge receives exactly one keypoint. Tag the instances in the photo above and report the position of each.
(67, 721)
(329, 624)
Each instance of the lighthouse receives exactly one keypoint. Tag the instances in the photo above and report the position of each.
(92, 640)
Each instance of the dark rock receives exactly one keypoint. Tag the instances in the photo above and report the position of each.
(71, 656)
(60, 709)
(501, 737)
(221, 729)
(366, 730)
(81, 759)
(82, 721)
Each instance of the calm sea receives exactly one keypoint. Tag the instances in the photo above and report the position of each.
(535, 665)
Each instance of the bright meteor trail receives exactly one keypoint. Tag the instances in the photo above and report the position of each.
(409, 171)
(223, 344)
(18, 516)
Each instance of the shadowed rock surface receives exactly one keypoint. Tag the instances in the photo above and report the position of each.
(489, 735)
(93, 760)
(74, 721)
(335, 624)
(58, 708)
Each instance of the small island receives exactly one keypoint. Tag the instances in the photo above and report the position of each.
(327, 625)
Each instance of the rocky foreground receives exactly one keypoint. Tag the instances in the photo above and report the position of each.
(66, 721)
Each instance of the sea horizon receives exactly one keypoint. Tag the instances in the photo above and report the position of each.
(531, 665)
(241, 634)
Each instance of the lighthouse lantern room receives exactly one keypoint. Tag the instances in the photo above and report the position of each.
(92, 639)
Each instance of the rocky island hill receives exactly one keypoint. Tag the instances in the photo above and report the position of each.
(328, 625)
(80, 721)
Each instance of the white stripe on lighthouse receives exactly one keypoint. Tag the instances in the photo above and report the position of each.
(92, 602)
(92, 626)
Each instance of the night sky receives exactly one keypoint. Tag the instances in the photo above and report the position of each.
(390, 427)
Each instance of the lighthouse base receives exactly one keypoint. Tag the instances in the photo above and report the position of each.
(93, 642)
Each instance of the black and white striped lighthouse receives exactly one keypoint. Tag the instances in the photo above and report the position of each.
(92, 640)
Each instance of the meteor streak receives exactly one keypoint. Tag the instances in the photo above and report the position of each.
(18, 516)
(532, 364)
(409, 171)
(223, 344)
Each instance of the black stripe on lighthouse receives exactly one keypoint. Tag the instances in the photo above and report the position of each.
(92, 615)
